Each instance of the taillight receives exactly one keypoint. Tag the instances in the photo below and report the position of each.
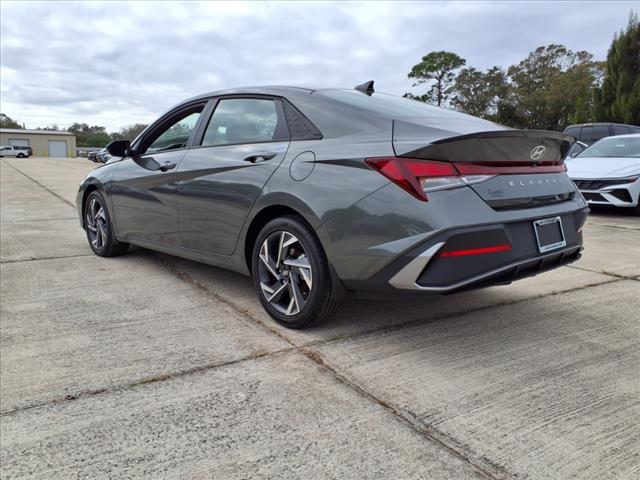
(421, 176)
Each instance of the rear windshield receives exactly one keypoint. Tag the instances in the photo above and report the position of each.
(392, 106)
(613, 147)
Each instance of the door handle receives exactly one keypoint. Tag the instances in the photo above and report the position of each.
(167, 166)
(260, 157)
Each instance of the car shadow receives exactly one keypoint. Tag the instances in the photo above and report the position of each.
(611, 211)
(353, 316)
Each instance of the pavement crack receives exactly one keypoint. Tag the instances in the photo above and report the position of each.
(189, 279)
(34, 259)
(155, 378)
(622, 227)
(448, 316)
(605, 272)
(481, 465)
(41, 185)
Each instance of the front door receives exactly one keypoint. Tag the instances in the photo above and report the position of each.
(143, 188)
(244, 142)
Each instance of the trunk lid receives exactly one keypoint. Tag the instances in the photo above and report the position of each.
(527, 165)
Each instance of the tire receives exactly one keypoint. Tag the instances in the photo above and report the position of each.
(98, 227)
(295, 289)
(20, 155)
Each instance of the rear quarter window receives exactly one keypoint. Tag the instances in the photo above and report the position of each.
(621, 130)
(593, 134)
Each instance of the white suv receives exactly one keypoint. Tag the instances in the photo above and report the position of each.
(7, 151)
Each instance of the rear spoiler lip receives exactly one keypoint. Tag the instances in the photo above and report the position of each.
(509, 133)
(487, 147)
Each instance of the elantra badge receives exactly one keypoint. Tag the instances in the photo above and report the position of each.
(537, 152)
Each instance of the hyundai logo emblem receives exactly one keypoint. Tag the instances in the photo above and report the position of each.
(537, 153)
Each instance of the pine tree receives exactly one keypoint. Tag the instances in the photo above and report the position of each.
(618, 100)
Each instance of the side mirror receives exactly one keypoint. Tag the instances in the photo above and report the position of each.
(118, 148)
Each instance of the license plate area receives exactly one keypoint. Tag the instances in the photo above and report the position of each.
(549, 234)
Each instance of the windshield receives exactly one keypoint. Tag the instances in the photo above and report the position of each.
(613, 147)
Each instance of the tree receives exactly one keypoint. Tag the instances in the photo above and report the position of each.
(547, 87)
(618, 100)
(86, 136)
(8, 122)
(130, 132)
(437, 69)
(479, 93)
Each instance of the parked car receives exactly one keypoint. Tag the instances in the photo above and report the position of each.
(576, 148)
(10, 151)
(320, 194)
(28, 150)
(608, 172)
(589, 133)
(93, 156)
(103, 156)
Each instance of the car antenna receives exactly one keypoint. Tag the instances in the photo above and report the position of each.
(366, 88)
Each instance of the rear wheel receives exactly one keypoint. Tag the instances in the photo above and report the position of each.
(20, 155)
(291, 273)
(97, 225)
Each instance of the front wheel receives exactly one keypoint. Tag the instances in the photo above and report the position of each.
(20, 155)
(291, 273)
(98, 227)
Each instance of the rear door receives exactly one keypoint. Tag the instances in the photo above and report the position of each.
(144, 186)
(243, 143)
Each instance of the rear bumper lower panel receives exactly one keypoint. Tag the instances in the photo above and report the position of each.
(422, 269)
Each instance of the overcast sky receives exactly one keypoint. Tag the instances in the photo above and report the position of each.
(119, 63)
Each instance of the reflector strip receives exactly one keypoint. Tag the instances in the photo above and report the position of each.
(506, 169)
(477, 251)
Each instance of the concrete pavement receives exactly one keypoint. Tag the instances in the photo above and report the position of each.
(152, 366)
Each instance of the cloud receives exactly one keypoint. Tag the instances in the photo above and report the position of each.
(116, 64)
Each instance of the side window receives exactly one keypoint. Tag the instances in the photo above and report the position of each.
(575, 149)
(245, 120)
(575, 131)
(175, 135)
(599, 132)
(621, 130)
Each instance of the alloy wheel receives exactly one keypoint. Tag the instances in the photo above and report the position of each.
(285, 273)
(96, 223)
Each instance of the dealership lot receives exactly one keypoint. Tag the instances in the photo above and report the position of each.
(149, 365)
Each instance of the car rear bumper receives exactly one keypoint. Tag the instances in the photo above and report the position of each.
(424, 269)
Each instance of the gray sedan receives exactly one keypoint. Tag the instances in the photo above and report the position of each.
(323, 194)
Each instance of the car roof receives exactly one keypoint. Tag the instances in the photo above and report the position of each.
(626, 135)
(599, 124)
(278, 90)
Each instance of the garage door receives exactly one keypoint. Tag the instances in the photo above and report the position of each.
(57, 148)
(18, 142)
